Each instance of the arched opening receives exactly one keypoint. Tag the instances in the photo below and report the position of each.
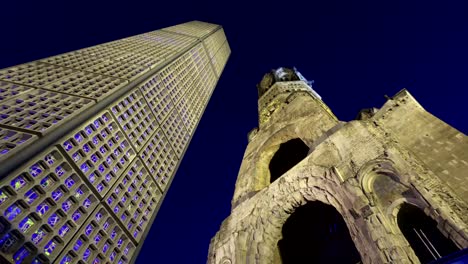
(289, 154)
(317, 233)
(423, 235)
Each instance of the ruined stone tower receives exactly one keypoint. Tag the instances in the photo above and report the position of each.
(388, 187)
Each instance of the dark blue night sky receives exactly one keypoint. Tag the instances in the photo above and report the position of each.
(356, 51)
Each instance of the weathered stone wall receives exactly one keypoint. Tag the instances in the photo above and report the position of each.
(360, 168)
(303, 118)
(442, 148)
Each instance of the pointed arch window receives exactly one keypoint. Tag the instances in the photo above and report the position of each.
(288, 155)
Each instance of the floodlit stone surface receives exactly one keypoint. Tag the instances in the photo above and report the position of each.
(365, 168)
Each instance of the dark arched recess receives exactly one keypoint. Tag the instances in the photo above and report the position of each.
(424, 237)
(289, 154)
(317, 233)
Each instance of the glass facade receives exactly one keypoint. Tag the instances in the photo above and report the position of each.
(125, 112)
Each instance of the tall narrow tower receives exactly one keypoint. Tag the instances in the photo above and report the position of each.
(388, 187)
(90, 141)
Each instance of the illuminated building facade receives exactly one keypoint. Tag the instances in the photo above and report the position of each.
(90, 141)
(388, 187)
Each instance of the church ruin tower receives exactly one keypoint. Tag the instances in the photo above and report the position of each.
(388, 187)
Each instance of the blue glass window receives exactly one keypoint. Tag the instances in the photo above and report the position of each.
(76, 216)
(113, 233)
(86, 148)
(37, 236)
(92, 177)
(105, 118)
(105, 247)
(36, 169)
(108, 177)
(53, 220)
(78, 244)
(86, 254)
(66, 205)
(89, 229)
(101, 168)
(102, 149)
(20, 255)
(87, 203)
(18, 183)
(66, 259)
(116, 209)
(119, 243)
(26, 224)
(31, 196)
(60, 171)
(67, 145)
(3, 196)
(79, 137)
(64, 230)
(89, 130)
(69, 182)
(100, 187)
(110, 200)
(94, 158)
(106, 225)
(12, 212)
(50, 159)
(49, 248)
(78, 193)
(77, 156)
(95, 140)
(46, 182)
(98, 216)
(57, 194)
(112, 255)
(97, 238)
(42, 208)
(84, 167)
(135, 233)
(97, 123)
(123, 217)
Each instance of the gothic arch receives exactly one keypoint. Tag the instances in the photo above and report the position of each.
(288, 194)
(267, 152)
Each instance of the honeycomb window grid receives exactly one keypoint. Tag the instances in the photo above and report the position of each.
(99, 240)
(102, 51)
(176, 133)
(135, 117)
(160, 159)
(12, 141)
(100, 151)
(35, 74)
(74, 60)
(119, 69)
(40, 110)
(44, 202)
(10, 90)
(88, 85)
(194, 28)
(158, 97)
(214, 42)
(133, 199)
